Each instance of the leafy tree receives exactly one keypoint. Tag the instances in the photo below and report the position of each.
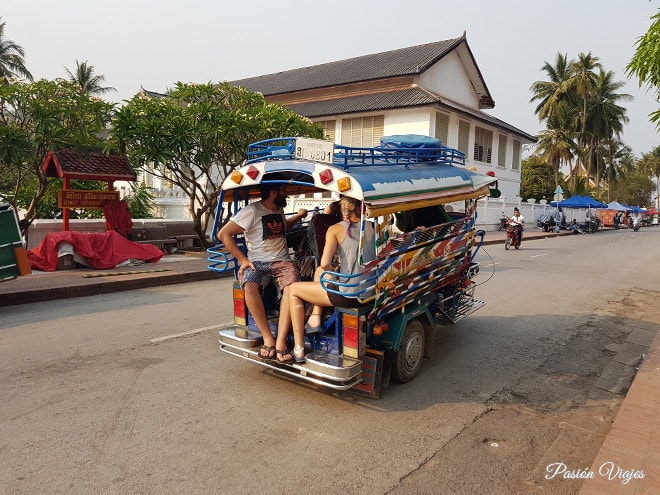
(635, 189)
(88, 82)
(12, 62)
(645, 64)
(139, 201)
(35, 118)
(537, 179)
(197, 134)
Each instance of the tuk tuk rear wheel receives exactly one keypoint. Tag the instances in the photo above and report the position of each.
(408, 359)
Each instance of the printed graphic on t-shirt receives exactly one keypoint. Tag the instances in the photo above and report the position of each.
(273, 226)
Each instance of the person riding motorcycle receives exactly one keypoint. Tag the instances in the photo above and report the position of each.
(517, 220)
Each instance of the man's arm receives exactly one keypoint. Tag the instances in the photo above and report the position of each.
(226, 236)
(294, 219)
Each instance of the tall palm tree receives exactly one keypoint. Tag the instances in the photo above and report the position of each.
(605, 119)
(650, 163)
(12, 62)
(557, 143)
(550, 93)
(85, 78)
(582, 81)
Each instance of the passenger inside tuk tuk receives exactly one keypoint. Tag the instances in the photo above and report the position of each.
(344, 238)
(264, 226)
(425, 217)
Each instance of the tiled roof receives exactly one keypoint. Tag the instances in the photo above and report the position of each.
(390, 100)
(364, 103)
(88, 165)
(402, 62)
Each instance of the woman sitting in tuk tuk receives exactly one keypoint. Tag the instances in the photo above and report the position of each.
(343, 238)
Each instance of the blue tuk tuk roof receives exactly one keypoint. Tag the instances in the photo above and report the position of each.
(387, 179)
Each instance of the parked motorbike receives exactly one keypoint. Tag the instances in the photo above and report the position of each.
(504, 222)
(512, 236)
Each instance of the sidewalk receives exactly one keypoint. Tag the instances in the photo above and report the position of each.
(633, 443)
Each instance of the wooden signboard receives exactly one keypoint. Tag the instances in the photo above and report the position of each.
(76, 198)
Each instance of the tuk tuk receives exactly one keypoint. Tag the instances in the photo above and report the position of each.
(421, 278)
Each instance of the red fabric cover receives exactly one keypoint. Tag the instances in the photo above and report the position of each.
(102, 251)
(118, 216)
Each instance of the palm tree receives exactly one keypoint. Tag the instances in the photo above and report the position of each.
(12, 61)
(552, 92)
(582, 81)
(650, 163)
(85, 78)
(605, 118)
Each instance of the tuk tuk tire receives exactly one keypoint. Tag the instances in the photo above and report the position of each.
(408, 359)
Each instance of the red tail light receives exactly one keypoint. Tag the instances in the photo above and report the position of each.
(239, 307)
(351, 332)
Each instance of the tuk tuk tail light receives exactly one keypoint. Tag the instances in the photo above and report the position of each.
(380, 328)
(350, 325)
(239, 307)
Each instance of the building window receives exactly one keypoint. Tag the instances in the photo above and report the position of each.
(483, 145)
(329, 129)
(501, 152)
(442, 127)
(362, 132)
(463, 136)
(515, 163)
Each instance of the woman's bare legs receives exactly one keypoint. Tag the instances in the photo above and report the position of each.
(299, 294)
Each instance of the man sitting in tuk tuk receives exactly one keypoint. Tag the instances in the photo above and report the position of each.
(265, 226)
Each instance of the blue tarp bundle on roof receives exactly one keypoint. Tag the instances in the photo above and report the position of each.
(412, 141)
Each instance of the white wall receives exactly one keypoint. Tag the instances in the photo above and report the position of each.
(409, 121)
(448, 78)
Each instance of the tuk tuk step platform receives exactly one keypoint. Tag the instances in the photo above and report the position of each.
(328, 368)
(240, 336)
(464, 308)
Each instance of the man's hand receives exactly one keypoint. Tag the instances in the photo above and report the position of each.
(246, 263)
(302, 212)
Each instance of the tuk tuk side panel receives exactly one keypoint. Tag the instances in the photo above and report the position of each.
(422, 262)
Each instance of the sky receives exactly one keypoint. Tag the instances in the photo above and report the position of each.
(155, 43)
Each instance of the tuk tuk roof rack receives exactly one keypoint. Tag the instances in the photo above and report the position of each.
(347, 156)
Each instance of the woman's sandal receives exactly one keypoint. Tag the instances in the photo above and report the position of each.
(269, 354)
(299, 354)
(282, 353)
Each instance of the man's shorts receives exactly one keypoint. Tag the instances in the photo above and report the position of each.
(283, 272)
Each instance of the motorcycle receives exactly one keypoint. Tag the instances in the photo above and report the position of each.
(512, 236)
(504, 222)
(636, 224)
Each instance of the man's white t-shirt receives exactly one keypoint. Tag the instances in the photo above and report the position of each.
(518, 219)
(265, 232)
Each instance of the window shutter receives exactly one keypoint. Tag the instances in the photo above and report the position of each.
(463, 136)
(442, 127)
(362, 132)
(501, 152)
(329, 129)
(515, 163)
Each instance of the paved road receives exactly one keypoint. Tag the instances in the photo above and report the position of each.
(128, 393)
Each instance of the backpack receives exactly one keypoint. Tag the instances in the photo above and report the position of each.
(309, 252)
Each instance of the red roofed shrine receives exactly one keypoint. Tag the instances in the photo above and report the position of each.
(86, 165)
